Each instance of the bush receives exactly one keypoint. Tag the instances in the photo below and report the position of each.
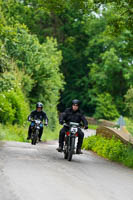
(19, 104)
(13, 107)
(129, 124)
(13, 132)
(7, 113)
(113, 149)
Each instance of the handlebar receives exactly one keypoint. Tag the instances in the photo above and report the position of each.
(79, 125)
(45, 124)
(71, 123)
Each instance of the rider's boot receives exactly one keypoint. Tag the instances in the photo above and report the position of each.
(78, 151)
(29, 134)
(60, 148)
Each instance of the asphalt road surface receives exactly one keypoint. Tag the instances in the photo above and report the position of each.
(39, 172)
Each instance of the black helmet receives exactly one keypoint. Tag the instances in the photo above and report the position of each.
(75, 101)
(39, 105)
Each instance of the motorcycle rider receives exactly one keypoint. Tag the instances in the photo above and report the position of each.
(73, 114)
(37, 114)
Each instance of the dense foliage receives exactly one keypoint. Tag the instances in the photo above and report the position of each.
(88, 42)
(29, 72)
(112, 149)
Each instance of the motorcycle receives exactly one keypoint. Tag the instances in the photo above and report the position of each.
(70, 140)
(35, 131)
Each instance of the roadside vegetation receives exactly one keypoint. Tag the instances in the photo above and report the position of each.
(19, 133)
(129, 125)
(112, 149)
(91, 126)
(56, 51)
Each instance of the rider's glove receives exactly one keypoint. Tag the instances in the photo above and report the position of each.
(29, 119)
(86, 127)
(61, 122)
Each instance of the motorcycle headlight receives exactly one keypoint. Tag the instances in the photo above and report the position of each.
(38, 127)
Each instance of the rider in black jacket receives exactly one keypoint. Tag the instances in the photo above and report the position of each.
(37, 114)
(73, 114)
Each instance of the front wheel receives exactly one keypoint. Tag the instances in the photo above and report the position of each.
(65, 154)
(71, 149)
(69, 158)
(34, 138)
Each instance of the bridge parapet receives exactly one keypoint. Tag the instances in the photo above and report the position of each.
(108, 132)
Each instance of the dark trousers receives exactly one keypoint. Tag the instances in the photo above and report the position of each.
(62, 136)
(30, 131)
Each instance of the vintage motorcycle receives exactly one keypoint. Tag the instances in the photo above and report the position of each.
(35, 131)
(70, 140)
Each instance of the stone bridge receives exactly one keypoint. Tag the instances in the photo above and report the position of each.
(108, 132)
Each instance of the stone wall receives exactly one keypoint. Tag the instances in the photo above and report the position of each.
(100, 122)
(92, 120)
(120, 134)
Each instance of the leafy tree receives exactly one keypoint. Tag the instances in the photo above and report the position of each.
(123, 11)
(39, 61)
(129, 101)
(96, 45)
(106, 109)
(35, 67)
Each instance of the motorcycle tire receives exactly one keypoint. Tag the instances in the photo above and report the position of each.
(65, 154)
(34, 140)
(71, 150)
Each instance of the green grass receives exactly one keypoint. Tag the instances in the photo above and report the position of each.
(48, 134)
(129, 125)
(91, 126)
(112, 149)
(19, 133)
(13, 133)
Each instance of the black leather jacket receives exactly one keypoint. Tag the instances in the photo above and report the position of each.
(38, 115)
(73, 116)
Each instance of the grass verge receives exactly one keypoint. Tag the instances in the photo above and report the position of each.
(91, 126)
(129, 124)
(19, 133)
(112, 149)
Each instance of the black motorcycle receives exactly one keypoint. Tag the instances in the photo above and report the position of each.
(35, 131)
(70, 140)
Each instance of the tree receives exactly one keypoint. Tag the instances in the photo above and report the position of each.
(106, 109)
(122, 12)
(36, 70)
(129, 102)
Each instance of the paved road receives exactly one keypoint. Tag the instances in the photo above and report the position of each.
(39, 172)
(89, 132)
